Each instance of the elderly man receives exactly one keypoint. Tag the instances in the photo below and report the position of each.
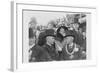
(49, 46)
(45, 51)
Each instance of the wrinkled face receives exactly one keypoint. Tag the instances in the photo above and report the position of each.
(50, 39)
(62, 31)
(69, 39)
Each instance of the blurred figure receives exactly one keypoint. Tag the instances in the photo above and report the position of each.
(83, 32)
(32, 31)
(33, 22)
(76, 26)
(84, 41)
(31, 37)
(77, 33)
(38, 31)
(52, 25)
(31, 41)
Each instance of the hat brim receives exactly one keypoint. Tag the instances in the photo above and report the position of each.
(69, 36)
(49, 35)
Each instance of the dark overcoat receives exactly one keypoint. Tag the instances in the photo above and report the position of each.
(39, 54)
(51, 50)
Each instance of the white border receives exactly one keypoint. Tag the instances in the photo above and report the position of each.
(17, 38)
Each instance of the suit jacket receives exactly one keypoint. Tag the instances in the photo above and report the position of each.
(51, 51)
(39, 54)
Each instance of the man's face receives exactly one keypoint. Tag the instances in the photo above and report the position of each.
(50, 39)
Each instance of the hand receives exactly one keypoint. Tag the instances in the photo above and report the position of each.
(58, 46)
(76, 49)
(84, 53)
(71, 57)
(33, 59)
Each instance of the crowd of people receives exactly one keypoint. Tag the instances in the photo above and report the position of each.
(62, 39)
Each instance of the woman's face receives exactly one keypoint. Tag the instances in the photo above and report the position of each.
(62, 31)
(69, 39)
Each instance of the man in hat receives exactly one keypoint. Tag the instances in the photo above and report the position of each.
(37, 52)
(49, 46)
(44, 50)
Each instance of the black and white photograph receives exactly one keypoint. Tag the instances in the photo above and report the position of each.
(56, 35)
(52, 36)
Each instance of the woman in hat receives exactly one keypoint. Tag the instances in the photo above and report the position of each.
(71, 50)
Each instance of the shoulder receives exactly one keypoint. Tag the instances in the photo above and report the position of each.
(45, 46)
(36, 48)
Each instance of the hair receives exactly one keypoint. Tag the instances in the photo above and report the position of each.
(59, 35)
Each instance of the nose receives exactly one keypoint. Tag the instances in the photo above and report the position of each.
(53, 40)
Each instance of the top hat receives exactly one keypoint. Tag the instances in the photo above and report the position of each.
(49, 32)
(69, 33)
(44, 34)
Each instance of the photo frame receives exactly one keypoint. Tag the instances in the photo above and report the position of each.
(21, 16)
